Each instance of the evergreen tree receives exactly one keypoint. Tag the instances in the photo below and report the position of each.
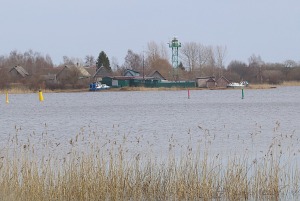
(180, 66)
(103, 60)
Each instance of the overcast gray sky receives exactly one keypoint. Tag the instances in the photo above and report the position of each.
(76, 28)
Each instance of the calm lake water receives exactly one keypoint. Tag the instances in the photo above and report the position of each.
(157, 121)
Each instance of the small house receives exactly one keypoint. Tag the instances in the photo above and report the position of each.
(73, 74)
(101, 73)
(222, 82)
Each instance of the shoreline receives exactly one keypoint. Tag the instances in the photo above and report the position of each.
(124, 89)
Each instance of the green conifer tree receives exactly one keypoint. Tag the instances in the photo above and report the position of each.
(103, 60)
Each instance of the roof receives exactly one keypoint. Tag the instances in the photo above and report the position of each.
(211, 80)
(131, 72)
(83, 71)
(102, 72)
(152, 74)
(131, 78)
(207, 77)
(224, 78)
(20, 70)
(91, 69)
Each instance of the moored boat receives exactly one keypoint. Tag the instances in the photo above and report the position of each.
(97, 86)
(238, 85)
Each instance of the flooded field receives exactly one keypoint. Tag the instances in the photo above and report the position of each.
(233, 123)
(217, 124)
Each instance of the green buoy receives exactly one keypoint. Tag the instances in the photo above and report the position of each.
(242, 93)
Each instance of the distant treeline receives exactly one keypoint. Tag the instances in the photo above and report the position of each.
(195, 60)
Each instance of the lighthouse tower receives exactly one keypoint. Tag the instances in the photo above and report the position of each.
(174, 45)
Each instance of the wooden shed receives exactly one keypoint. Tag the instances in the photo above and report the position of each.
(205, 82)
(211, 83)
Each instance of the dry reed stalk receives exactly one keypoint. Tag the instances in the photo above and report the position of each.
(235, 179)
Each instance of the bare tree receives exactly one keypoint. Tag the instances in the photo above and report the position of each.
(211, 62)
(90, 60)
(156, 55)
(237, 68)
(256, 63)
(49, 60)
(203, 55)
(290, 63)
(221, 53)
(196, 57)
(161, 65)
(133, 61)
(114, 64)
(71, 61)
(67, 60)
(164, 51)
(153, 51)
(189, 55)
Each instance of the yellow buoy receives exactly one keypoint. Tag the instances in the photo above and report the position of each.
(41, 95)
(7, 101)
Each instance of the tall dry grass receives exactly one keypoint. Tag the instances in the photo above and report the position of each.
(291, 83)
(101, 173)
(16, 91)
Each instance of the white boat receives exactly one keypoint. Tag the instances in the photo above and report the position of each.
(238, 85)
(97, 86)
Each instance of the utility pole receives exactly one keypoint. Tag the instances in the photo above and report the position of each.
(143, 69)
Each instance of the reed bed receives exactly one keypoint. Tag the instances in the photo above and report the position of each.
(111, 172)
